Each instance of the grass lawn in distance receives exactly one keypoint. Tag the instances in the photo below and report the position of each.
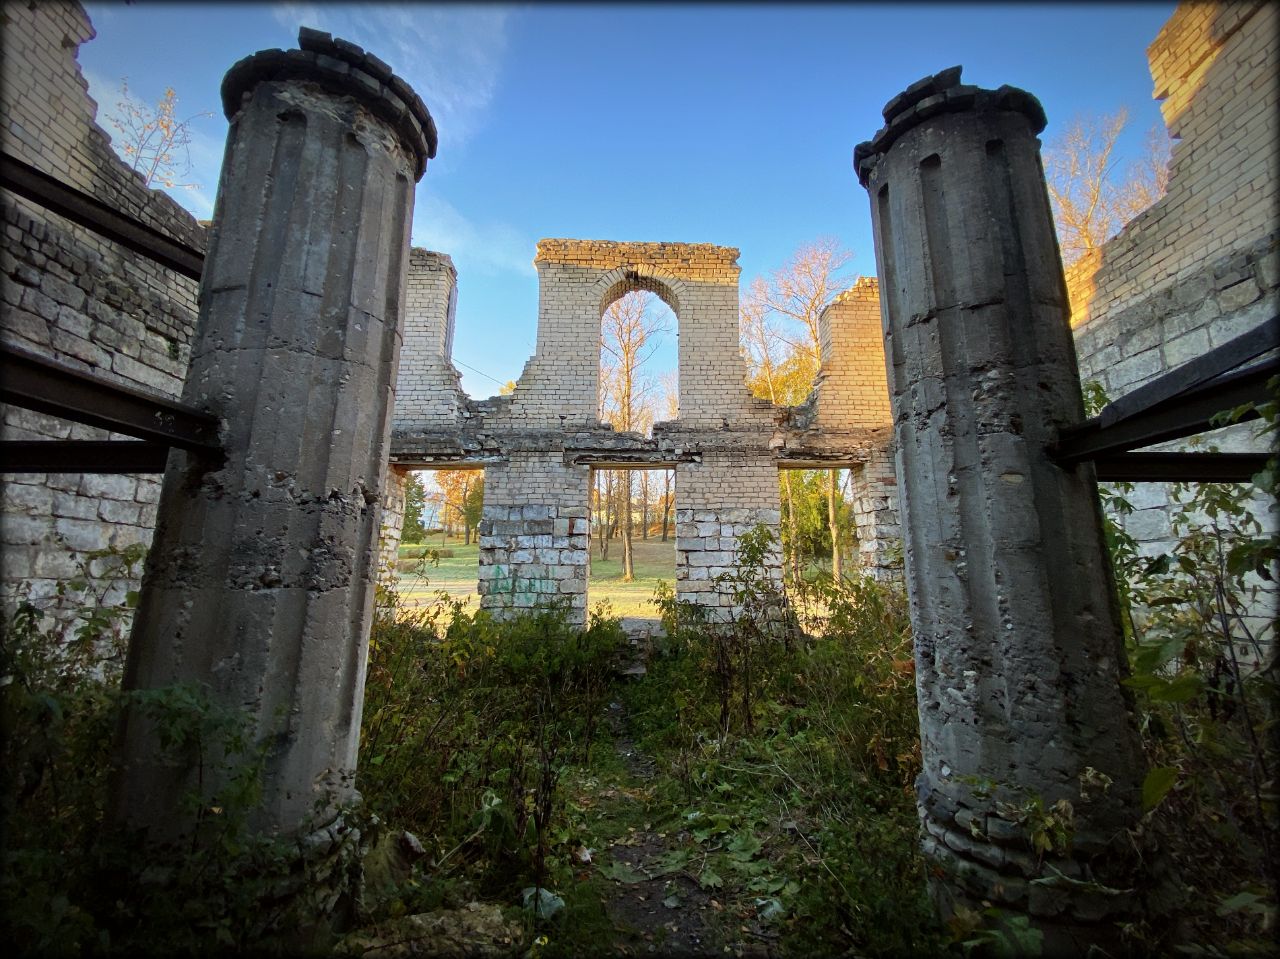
(654, 561)
(456, 575)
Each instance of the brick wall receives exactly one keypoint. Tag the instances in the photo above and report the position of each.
(717, 500)
(428, 388)
(1202, 265)
(72, 296)
(534, 535)
(851, 391)
(578, 279)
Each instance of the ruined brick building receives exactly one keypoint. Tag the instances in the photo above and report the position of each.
(1185, 275)
(957, 362)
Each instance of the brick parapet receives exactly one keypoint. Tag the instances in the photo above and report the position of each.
(851, 390)
(428, 386)
(701, 262)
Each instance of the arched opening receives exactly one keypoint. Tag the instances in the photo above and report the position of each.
(633, 507)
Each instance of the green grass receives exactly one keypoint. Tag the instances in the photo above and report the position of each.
(456, 575)
(654, 561)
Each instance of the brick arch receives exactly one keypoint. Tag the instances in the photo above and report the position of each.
(622, 280)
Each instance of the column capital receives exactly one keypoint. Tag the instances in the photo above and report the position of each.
(941, 93)
(345, 69)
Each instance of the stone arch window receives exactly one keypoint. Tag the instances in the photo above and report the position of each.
(633, 280)
(617, 283)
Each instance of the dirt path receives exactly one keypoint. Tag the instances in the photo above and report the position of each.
(653, 897)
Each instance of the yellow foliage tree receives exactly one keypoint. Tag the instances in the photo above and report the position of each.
(152, 140)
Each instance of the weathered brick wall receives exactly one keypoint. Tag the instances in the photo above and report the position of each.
(1202, 265)
(428, 388)
(70, 295)
(736, 442)
(874, 494)
(392, 522)
(578, 279)
(717, 500)
(850, 390)
(534, 534)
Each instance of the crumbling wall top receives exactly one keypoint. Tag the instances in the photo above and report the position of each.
(430, 259)
(864, 288)
(690, 261)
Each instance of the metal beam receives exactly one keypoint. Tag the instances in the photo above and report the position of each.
(1217, 362)
(54, 195)
(36, 383)
(82, 456)
(1182, 415)
(1180, 467)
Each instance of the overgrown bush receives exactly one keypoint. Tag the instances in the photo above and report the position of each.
(821, 751)
(73, 882)
(1200, 631)
(469, 723)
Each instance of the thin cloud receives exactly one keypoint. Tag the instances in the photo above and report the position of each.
(476, 248)
(451, 55)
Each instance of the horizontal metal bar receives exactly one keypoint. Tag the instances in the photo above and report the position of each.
(56, 196)
(1180, 467)
(82, 456)
(1217, 362)
(37, 383)
(1177, 417)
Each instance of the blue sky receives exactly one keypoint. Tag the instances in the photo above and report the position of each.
(727, 124)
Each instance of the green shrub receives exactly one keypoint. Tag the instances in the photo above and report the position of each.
(467, 728)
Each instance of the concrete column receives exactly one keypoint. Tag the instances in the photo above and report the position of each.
(1019, 651)
(259, 583)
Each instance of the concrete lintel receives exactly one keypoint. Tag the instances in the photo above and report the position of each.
(612, 460)
(446, 462)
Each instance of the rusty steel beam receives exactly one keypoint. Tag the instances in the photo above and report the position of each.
(1217, 362)
(82, 456)
(1180, 415)
(90, 212)
(1179, 467)
(37, 383)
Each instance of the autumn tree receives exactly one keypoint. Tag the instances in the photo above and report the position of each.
(462, 498)
(152, 140)
(1091, 197)
(628, 338)
(783, 346)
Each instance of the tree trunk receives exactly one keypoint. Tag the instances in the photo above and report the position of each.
(644, 505)
(602, 517)
(791, 527)
(628, 556)
(666, 501)
(833, 477)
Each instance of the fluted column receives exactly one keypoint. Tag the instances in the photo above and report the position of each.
(1019, 650)
(259, 583)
